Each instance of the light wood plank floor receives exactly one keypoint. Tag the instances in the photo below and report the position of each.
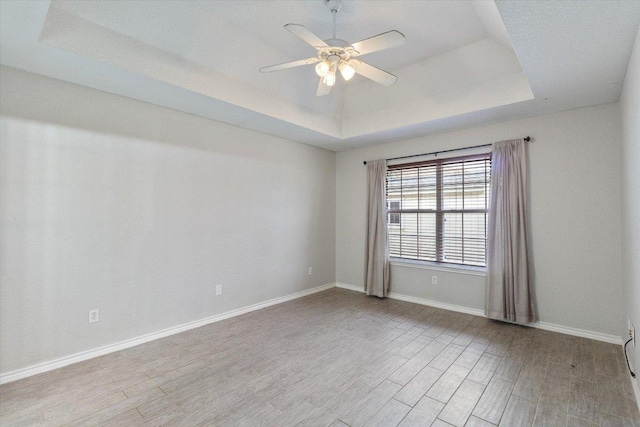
(339, 358)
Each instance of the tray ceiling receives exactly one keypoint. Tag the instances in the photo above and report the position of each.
(464, 63)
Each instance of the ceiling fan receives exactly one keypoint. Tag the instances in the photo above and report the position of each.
(338, 55)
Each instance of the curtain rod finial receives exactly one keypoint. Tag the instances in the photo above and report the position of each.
(365, 162)
(527, 138)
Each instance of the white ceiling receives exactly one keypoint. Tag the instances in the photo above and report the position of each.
(464, 62)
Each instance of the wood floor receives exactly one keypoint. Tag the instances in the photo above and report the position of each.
(339, 358)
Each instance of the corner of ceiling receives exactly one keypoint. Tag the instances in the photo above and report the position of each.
(489, 15)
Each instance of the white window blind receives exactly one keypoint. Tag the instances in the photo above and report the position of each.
(438, 209)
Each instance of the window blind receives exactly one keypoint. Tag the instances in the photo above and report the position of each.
(437, 209)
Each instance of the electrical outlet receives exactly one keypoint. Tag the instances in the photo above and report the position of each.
(94, 315)
(218, 290)
(633, 335)
(434, 280)
(310, 271)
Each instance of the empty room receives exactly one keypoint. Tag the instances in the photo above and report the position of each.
(319, 213)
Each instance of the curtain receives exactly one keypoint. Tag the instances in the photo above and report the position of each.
(377, 256)
(509, 294)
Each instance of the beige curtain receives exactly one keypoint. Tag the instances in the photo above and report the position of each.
(377, 256)
(509, 291)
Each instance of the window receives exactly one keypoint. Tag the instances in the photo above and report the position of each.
(394, 217)
(438, 210)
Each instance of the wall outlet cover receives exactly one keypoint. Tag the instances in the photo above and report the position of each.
(94, 315)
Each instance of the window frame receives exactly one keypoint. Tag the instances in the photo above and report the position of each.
(393, 218)
(439, 211)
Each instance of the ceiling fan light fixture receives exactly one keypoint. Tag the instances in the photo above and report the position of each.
(330, 78)
(335, 54)
(347, 69)
(323, 68)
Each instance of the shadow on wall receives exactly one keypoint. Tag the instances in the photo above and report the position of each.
(68, 105)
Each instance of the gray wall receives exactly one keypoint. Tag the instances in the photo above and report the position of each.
(574, 168)
(139, 211)
(630, 112)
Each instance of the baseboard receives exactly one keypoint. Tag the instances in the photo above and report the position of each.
(598, 336)
(437, 304)
(576, 332)
(416, 300)
(349, 287)
(90, 354)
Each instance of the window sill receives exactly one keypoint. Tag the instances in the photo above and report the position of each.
(438, 266)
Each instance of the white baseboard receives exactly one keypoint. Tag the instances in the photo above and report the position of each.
(416, 300)
(349, 287)
(576, 332)
(90, 354)
(567, 330)
(437, 304)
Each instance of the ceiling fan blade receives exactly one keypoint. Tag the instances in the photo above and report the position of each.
(323, 89)
(380, 42)
(286, 65)
(306, 35)
(375, 74)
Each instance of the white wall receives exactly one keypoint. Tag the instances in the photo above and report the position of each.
(139, 211)
(574, 168)
(630, 113)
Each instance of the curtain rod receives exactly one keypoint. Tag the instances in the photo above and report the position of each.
(526, 138)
